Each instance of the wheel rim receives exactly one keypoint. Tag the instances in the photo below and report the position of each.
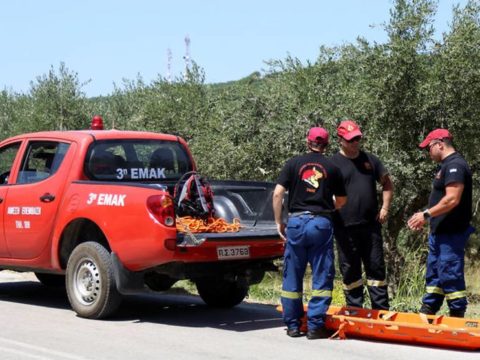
(87, 283)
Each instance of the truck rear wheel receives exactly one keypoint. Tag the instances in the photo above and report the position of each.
(217, 292)
(90, 282)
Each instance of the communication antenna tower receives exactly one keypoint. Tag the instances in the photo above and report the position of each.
(169, 65)
(187, 57)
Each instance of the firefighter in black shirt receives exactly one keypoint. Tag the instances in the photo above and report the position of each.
(358, 223)
(312, 181)
(449, 212)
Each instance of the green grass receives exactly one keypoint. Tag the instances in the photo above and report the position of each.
(409, 290)
(186, 287)
(269, 290)
(472, 276)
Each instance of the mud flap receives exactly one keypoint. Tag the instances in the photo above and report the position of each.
(128, 282)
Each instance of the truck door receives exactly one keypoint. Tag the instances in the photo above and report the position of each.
(33, 199)
(8, 154)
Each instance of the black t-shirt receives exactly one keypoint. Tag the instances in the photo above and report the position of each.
(453, 169)
(360, 175)
(311, 181)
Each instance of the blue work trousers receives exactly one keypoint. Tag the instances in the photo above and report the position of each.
(309, 240)
(445, 271)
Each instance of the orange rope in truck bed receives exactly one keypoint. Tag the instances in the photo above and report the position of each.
(212, 225)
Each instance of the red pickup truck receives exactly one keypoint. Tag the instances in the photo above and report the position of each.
(93, 210)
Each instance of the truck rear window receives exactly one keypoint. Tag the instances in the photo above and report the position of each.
(137, 160)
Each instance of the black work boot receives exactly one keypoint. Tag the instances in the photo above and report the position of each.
(459, 313)
(321, 333)
(294, 332)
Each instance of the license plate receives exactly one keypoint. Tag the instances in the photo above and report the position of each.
(233, 252)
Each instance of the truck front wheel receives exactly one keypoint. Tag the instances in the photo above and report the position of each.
(90, 282)
(218, 292)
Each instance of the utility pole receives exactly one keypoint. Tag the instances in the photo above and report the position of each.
(169, 65)
(187, 57)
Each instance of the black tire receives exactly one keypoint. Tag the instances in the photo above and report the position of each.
(51, 280)
(217, 292)
(90, 282)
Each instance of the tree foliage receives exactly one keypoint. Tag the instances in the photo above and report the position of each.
(58, 102)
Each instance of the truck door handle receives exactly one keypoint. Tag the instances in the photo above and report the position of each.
(1, 200)
(47, 197)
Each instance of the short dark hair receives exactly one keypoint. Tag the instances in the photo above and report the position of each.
(448, 142)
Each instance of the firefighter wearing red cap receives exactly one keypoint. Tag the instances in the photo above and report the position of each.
(449, 212)
(311, 181)
(358, 224)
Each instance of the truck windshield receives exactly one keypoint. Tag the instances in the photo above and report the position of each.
(137, 160)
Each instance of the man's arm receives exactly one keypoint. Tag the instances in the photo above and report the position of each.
(278, 195)
(387, 195)
(340, 201)
(453, 194)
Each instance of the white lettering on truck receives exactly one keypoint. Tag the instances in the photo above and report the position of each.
(104, 199)
(25, 210)
(31, 210)
(146, 173)
(22, 224)
(13, 210)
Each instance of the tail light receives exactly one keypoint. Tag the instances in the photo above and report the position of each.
(162, 209)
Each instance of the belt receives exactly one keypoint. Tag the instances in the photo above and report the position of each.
(310, 213)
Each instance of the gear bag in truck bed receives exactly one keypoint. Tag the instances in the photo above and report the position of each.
(195, 198)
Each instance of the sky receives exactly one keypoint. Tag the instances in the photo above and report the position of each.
(106, 41)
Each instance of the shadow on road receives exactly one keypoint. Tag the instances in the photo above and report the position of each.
(34, 293)
(192, 312)
(162, 308)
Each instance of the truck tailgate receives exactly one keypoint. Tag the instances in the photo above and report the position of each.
(259, 232)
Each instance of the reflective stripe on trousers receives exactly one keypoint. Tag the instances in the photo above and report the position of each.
(309, 240)
(445, 270)
(449, 296)
(357, 245)
(376, 283)
(354, 285)
(359, 283)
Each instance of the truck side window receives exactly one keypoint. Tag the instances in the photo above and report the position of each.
(7, 156)
(42, 159)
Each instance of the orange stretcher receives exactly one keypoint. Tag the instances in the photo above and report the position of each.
(434, 330)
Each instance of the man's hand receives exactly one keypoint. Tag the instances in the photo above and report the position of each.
(417, 221)
(382, 215)
(281, 231)
(387, 196)
(278, 195)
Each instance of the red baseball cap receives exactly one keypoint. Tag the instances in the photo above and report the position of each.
(348, 129)
(437, 134)
(318, 135)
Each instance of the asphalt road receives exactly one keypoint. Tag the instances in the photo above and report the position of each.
(37, 323)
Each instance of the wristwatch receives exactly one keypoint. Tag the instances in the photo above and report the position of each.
(426, 214)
